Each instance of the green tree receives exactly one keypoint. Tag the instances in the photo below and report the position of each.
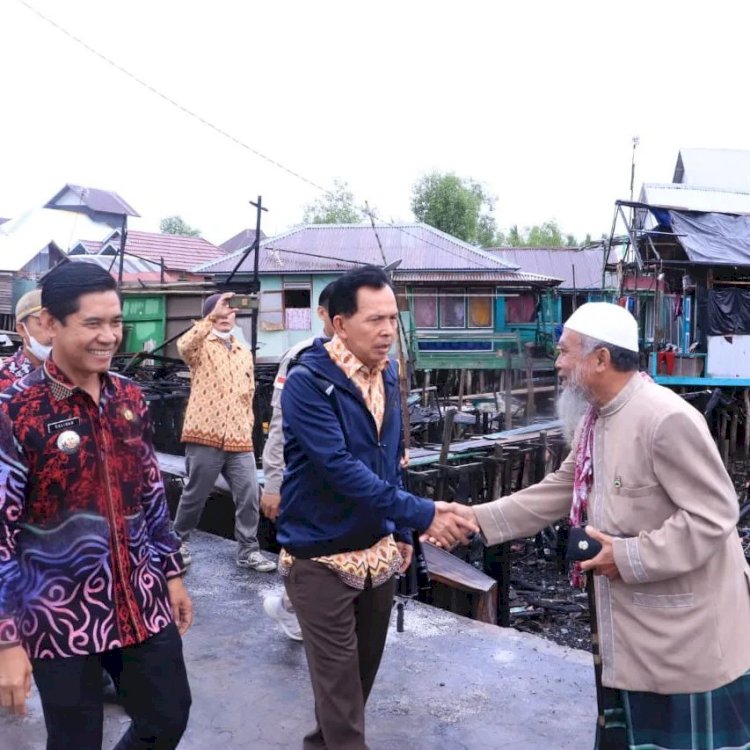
(177, 225)
(547, 234)
(488, 234)
(335, 207)
(514, 238)
(458, 206)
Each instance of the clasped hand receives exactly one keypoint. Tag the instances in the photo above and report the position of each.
(452, 524)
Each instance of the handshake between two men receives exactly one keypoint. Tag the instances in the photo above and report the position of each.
(452, 524)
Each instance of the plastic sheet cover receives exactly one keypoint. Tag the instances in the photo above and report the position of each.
(728, 312)
(713, 239)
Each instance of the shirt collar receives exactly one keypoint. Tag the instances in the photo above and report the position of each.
(228, 344)
(350, 364)
(622, 398)
(61, 385)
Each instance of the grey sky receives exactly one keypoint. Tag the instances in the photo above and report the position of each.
(537, 100)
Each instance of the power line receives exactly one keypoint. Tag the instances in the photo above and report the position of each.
(232, 138)
(169, 99)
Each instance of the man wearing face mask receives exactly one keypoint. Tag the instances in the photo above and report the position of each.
(218, 429)
(36, 342)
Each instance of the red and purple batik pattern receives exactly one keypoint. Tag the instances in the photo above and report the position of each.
(14, 368)
(86, 544)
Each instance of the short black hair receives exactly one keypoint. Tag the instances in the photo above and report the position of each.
(325, 295)
(343, 299)
(63, 286)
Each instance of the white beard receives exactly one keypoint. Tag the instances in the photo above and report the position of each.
(571, 406)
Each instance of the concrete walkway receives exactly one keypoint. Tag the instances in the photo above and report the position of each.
(446, 682)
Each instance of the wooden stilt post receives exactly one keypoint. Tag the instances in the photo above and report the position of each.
(508, 389)
(530, 402)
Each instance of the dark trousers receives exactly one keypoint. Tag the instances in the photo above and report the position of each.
(344, 631)
(152, 684)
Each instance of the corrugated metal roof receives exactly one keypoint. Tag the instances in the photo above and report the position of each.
(112, 263)
(559, 262)
(317, 248)
(719, 168)
(25, 236)
(134, 269)
(89, 247)
(241, 241)
(472, 277)
(691, 198)
(73, 197)
(179, 253)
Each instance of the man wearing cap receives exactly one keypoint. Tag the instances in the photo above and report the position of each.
(36, 341)
(671, 581)
(218, 429)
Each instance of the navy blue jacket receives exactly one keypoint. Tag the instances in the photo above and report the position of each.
(342, 484)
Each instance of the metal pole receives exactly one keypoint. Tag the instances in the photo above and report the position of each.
(123, 234)
(256, 282)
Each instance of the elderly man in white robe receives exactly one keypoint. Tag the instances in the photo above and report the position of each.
(671, 581)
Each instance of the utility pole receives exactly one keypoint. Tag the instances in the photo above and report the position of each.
(632, 233)
(636, 141)
(259, 207)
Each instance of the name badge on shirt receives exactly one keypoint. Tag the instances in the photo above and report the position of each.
(63, 424)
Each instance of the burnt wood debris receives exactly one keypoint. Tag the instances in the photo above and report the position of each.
(457, 455)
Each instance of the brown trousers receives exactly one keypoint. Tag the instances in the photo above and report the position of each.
(344, 631)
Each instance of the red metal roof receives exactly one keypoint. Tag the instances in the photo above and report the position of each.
(92, 247)
(179, 253)
(316, 248)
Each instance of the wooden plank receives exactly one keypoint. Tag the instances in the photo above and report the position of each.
(175, 465)
(454, 573)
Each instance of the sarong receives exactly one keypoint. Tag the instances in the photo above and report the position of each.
(715, 720)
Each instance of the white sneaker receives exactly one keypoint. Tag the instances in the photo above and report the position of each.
(254, 560)
(275, 609)
(185, 552)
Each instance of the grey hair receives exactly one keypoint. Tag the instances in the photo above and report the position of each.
(623, 360)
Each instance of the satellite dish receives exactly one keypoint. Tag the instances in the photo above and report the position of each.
(392, 266)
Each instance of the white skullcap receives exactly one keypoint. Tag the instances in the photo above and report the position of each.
(603, 321)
